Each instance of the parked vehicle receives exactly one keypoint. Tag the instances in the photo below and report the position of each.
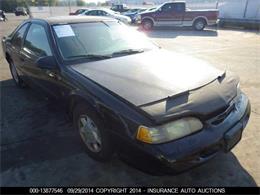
(107, 13)
(161, 111)
(20, 11)
(119, 8)
(78, 11)
(2, 16)
(132, 13)
(176, 14)
(138, 16)
(240, 13)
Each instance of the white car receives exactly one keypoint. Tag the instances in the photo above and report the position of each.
(107, 13)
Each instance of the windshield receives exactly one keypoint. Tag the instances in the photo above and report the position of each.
(109, 11)
(97, 38)
(132, 11)
(80, 11)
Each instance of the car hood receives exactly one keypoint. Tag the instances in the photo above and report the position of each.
(150, 76)
(129, 14)
(120, 16)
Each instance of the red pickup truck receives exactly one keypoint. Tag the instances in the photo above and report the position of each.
(176, 14)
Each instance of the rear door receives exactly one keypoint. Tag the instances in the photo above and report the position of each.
(178, 13)
(36, 45)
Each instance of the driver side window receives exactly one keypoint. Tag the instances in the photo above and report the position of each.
(102, 13)
(92, 13)
(169, 7)
(18, 37)
(36, 41)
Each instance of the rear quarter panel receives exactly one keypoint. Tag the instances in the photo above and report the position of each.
(209, 15)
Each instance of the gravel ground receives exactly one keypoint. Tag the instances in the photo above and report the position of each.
(40, 148)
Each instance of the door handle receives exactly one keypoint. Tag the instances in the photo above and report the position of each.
(53, 75)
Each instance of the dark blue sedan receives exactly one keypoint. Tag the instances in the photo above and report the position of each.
(132, 13)
(161, 111)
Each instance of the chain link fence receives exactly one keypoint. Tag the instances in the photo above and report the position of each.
(235, 9)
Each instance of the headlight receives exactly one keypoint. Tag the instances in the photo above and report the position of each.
(138, 17)
(238, 89)
(169, 131)
(240, 100)
(238, 97)
(125, 20)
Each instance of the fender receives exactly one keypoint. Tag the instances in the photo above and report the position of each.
(104, 112)
(199, 17)
(77, 96)
(148, 17)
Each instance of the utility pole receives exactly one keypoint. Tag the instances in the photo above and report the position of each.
(50, 8)
(245, 8)
(217, 4)
(69, 7)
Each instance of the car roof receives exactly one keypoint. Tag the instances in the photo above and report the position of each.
(177, 1)
(101, 9)
(73, 19)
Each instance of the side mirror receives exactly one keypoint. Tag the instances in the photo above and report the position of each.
(47, 62)
(160, 10)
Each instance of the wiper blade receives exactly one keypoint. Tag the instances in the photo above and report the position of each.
(128, 51)
(90, 56)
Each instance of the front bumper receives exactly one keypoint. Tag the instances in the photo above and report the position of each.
(182, 154)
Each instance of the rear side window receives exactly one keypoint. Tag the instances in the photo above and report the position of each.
(102, 13)
(79, 11)
(18, 36)
(92, 13)
(179, 7)
(36, 41)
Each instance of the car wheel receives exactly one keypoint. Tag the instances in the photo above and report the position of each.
(18, 81)
(147, 24)
(199, 24)
(95, 138)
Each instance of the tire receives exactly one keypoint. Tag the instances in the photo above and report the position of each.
(147, 24)
(94, 137)
(17, 79)
(199, 24)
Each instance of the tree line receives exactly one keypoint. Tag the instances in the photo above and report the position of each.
(10, 5)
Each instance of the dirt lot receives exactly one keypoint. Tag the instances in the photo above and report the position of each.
(40, 148)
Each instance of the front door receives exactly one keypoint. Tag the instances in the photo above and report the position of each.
(36, 45)
(17, 41)
(170, 15)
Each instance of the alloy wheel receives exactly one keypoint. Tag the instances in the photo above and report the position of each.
(199, 25)
(89, 133)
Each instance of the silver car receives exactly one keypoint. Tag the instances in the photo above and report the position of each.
(107, 13)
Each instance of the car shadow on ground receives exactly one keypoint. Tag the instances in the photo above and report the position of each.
(40, 148)
(173, 32)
